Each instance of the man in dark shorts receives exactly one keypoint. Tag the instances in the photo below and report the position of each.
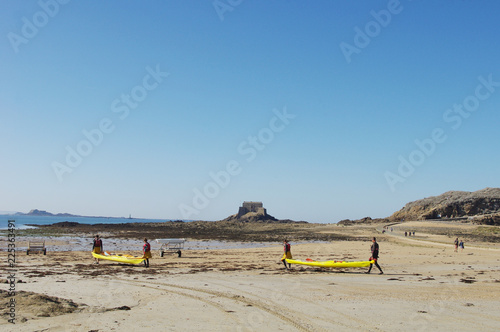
(374, 249)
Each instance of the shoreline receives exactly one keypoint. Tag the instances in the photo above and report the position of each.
(82, 244)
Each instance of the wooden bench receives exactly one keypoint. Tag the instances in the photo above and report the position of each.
(36, 246)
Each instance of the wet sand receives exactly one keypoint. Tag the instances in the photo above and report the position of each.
(425, 286)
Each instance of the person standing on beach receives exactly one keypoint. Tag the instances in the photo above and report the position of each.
(97, 247)
(461, 245)
(374, 249)
(146, 249)
(287, 254)
(456, 244)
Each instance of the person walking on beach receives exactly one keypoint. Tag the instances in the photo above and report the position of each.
(97, 247)
(456, 244)
(461, 245)
(146, 249)
(374, 249)
(287, 254)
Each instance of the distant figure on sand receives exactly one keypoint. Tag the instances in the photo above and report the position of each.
(406, 233)
(97, 247)
(374, 249)
(287, 254)
(461, 245)
(456, 244)
(146, 249)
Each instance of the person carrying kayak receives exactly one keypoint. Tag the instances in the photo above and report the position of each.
(97, 247)
(374, 249)
(287, 254)
(146, 249)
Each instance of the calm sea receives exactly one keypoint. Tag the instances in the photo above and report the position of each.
(23, 221)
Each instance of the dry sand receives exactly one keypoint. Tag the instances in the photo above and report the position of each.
(425, 286)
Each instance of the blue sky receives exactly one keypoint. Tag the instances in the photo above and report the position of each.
(286, 102)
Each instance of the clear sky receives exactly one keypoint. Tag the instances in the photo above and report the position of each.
(322, 110)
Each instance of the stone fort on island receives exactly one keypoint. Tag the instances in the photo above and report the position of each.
(251, 211)
(255, 207)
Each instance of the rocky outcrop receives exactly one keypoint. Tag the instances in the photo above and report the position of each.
(255, 212)
(362, 221)
(43, 213)
(36, 212)
(260, 216)
(66, 224)
(452, 204)
(491, 219)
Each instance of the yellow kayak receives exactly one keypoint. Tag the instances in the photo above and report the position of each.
(337, 264)
(122, 258)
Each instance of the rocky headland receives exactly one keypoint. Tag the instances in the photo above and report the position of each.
(482, 206)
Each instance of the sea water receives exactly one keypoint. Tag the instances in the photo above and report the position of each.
(84, 243)
(22, 221)
(79, 243)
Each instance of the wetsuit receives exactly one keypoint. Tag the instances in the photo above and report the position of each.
(374, 249)
(287, 254)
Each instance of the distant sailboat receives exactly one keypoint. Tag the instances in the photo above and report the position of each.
(130, 216)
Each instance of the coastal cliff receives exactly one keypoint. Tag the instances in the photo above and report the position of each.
(454, 204)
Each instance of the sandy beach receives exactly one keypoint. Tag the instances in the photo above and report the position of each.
(425, 286)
